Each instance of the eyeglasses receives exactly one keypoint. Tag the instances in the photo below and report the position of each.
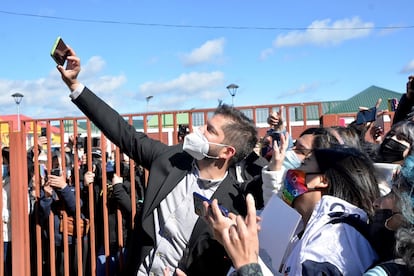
(303, 151)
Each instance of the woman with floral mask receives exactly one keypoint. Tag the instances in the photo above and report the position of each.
(397, 209)
(283, 158)
(331, 184)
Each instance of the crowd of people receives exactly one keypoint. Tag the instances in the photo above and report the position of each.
(355, 219)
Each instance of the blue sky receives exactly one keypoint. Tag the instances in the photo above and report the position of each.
(184, 53)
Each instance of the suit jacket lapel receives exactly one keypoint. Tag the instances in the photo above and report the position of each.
(166, 187)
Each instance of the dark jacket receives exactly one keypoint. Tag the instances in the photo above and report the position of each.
(167, 166)
(66, 201)
(404, 108)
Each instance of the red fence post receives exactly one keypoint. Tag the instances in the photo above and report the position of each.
(19, 205)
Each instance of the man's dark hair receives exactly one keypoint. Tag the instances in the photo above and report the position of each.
(240, 132)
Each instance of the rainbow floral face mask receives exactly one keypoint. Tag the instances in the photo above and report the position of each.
(295, 185)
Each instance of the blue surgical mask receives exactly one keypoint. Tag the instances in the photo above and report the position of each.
(292, 160)
(5, 170)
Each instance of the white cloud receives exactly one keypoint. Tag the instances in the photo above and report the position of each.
(326, 33)
(210, 51)
(194, 86)
(49, 97)
(409, 68)
(93, 66)
(188, 83)
(106, 84)
(266, 53)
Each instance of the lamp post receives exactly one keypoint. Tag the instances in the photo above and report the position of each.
(18, 97)
(148, 98)
(232, 90)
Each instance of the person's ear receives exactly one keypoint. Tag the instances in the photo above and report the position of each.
(228, 152)
(323, 182)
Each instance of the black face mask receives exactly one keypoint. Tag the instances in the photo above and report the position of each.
(392, 151)
(381, 238)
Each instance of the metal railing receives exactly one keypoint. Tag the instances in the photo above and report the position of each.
(30, 243)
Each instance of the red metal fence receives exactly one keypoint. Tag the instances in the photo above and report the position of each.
(28, 230)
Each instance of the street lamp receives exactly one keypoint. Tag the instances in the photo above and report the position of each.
(18, 97)
(148, 98)
(232, 90)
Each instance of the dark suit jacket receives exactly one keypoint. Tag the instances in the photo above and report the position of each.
(167, 166)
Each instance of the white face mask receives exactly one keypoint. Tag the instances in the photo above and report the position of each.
(197, 145)
(292, 160)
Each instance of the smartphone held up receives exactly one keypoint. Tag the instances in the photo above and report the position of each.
(366, 116)
(60, 51)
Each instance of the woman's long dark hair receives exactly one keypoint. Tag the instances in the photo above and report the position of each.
(350, 175)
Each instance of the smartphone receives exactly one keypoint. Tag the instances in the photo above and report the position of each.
(379, 122)
(55, 172)
(59, 51)
(392, 104)
(276, 137)
(43, 131)
(199, 207)
(42, 171)
(365, 116)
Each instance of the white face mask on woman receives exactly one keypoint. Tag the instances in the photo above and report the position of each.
(197, 145)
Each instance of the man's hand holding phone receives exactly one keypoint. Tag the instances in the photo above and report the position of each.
(60, 51)
(218, 222)
(199, 207)
(71, 72)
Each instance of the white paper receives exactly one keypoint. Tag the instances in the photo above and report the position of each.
(278, 226)
(386, 172)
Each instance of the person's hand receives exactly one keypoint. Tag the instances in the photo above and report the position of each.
(117, 179)
(376, 133)
(88, 178)
(42, 140)
(73, 67)
(218, 223)
(178, 272)
(278, 153)
(273, 119)
(56, 181)
(238, 236)
(48, 190)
